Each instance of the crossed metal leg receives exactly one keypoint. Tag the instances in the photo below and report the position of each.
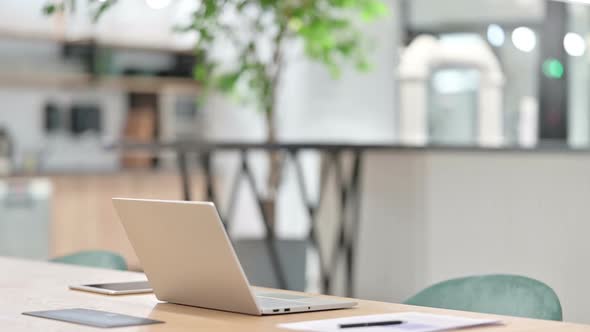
(349, 206)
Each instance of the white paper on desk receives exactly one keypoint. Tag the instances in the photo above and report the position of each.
(413, 322)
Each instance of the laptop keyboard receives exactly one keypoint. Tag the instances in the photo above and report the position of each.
(267, 302)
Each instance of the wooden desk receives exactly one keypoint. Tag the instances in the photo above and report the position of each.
(31, 286)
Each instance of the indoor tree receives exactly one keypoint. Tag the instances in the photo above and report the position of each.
(257, 34)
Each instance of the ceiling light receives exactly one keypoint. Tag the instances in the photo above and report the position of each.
(524, 39)
(496, 35)
(574, 44)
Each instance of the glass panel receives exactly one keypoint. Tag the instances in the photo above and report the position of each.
(453, 106)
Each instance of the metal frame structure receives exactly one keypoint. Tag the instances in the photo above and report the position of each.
(347, 183)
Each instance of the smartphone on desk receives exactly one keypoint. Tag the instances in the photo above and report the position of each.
(116, 288)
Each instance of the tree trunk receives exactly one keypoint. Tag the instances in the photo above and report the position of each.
(275, 157)
(274, 167)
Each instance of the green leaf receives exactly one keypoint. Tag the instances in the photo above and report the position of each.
(338, 23)
(211, 8)
(343, 3)
(347, 48)
(102, 8)
(49, 9)
(295, 24)
(363, 65)
(227, 82)
(200, 73)
(372, 9)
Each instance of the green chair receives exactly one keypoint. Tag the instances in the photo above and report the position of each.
(97, 258)
(494, 294)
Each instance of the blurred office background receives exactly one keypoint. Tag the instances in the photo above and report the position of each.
(484, 104)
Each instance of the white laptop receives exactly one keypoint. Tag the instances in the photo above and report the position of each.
(188, 259)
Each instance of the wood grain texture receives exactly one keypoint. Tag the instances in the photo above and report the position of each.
(83, 217)
(31, 286)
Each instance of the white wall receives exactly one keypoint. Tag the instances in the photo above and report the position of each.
(426, 14)
(577, 76)
(25, 17)
(21, 112)
(440, 215)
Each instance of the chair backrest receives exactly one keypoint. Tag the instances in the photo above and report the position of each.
(494, 294)
(99, 259)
